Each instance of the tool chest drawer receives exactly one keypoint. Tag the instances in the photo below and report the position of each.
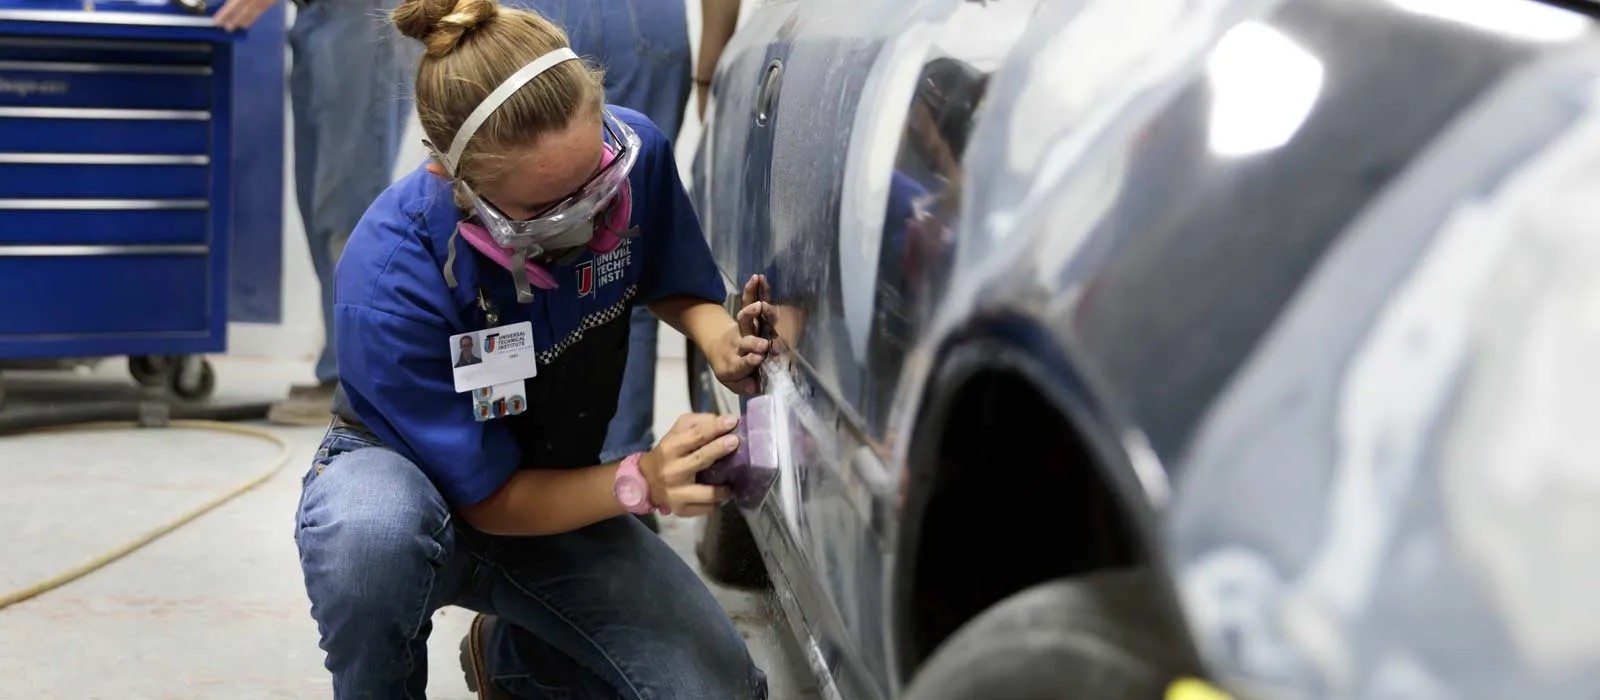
(69, 50)
(116, 223)
(104, 292)
(111, 176)
(103, 85)
(70, 130)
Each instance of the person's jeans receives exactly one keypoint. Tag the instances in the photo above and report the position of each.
(349, 92)
(630, 430)
(644, 47)
(607, 611)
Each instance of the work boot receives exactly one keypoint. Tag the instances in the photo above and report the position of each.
(473, 662)
(307, 405)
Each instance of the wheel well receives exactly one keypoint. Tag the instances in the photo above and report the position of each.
(1010, 496)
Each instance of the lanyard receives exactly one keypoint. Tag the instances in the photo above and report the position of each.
(491, 314)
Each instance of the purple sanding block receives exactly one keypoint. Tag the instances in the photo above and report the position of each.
(753, 468)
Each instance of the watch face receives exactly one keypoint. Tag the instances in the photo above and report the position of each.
(630, 493)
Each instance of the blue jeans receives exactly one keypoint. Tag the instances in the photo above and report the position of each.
(349, 90)
(644, 47)
(608, 611)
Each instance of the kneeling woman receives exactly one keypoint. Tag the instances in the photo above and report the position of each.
(543, 217)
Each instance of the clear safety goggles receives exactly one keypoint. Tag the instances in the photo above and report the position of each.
(569, 222)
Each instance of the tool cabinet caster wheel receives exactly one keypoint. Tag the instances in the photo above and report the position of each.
(195, 379)
(150, 370)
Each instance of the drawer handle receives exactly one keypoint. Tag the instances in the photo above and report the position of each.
(99, 159)
(100, 44)
(87, 251)
(109, 17)
(112, 114)
(101, 204)
(63, 67)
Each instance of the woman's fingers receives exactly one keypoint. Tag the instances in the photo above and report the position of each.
(684, 469)
(693, 431)
(753, 289)
(699, 495)
(752, 345)
(747, 318)
(698, 500)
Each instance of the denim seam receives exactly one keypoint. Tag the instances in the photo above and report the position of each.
(604, 653)
(530, 678)
(426, 614)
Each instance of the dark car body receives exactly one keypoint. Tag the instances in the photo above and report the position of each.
(1268, 296)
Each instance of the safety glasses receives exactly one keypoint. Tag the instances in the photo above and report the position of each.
(572, 217)
(569, 222)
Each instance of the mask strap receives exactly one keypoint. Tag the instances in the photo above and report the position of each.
(450, 258)
(522, 77)
(519, 275)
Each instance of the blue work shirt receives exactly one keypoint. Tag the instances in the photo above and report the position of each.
(394, 316)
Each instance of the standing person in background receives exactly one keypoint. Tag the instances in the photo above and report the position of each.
(348, 93)
(644, 47)
(717, 19)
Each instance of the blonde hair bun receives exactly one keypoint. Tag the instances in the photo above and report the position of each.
(440, 24)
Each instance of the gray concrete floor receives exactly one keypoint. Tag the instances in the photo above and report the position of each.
(216, 609)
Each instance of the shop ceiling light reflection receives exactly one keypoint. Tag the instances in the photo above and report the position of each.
(1263, 86)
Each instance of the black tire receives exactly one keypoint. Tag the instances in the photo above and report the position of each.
(202, 389)
(727, 549)
(1098, 637)
(150, 370)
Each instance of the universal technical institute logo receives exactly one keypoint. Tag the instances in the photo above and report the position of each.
(504, 342)
(604, 269)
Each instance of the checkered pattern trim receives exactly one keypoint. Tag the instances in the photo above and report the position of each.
(594, 320)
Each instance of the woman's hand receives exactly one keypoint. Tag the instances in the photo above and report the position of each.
(743, 349)
(693, 443)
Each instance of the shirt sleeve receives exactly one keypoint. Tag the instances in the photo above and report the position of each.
(397, 374)
(677, 261)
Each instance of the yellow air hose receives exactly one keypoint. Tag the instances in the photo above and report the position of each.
(285, 455)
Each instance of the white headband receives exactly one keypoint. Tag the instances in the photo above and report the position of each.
(498, 97)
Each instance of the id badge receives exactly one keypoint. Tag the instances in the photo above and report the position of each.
(493, 365)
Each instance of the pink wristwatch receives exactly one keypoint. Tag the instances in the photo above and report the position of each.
(630, 488)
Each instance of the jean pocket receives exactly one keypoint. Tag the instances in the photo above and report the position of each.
(659, 28)
(524, 685)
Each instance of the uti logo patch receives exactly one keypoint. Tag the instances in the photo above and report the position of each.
(585, 279)
(604, 269)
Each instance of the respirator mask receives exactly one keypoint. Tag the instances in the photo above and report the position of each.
(594, 217)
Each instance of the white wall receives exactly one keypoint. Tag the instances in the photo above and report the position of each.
(299, 335)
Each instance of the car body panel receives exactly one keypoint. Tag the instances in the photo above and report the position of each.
(1430, 386)
(1136, 190)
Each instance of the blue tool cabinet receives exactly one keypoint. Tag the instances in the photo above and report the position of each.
(114, 181)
